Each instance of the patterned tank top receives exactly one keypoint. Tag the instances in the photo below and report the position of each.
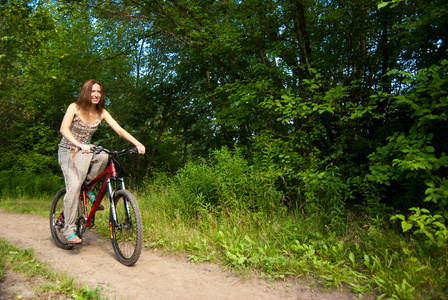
(81, 131)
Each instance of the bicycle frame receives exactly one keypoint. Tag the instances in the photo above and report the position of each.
(108, 175)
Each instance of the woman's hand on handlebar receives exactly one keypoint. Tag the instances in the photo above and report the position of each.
(140, 149)
(85, 149)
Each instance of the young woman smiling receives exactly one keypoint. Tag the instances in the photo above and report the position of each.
(80, 122)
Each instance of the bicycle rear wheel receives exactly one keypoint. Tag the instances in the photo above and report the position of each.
(127, 232)
(57, 220)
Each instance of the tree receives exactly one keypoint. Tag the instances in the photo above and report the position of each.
(24, 33)
(302, 82)
(48, 51)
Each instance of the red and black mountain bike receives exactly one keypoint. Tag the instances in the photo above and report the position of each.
(125, 221)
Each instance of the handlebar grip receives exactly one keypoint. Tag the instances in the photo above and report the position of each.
(96, 150)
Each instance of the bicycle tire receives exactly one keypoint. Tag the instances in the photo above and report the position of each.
(127, 234)
(57, 221)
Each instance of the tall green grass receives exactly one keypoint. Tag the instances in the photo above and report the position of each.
(17, 183)
(224, 182)
(368, 258)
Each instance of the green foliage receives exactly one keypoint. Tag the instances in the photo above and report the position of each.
(87, 292)
(47, 51)
(226, 181)
(25, 31)
(17, 184)
(312, 116)
(418, 157)
(272, 76)
(360, 253)
(431, 226)
(341, 250)
(325, 193)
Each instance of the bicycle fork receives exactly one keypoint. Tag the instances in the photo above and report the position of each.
(114, 222)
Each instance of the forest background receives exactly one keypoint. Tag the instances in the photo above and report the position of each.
(329, 111)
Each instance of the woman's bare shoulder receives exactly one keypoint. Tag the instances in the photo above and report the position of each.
(72, 109)
(105, 114)
(73, 106)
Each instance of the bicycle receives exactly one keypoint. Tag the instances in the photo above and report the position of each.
(125, 221)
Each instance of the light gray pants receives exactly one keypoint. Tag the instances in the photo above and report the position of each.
(75, 166)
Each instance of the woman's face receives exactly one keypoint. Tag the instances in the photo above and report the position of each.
(95, 96)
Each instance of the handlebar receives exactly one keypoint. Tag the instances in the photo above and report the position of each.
(113, 153)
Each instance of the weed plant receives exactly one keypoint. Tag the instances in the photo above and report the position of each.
(225, 181)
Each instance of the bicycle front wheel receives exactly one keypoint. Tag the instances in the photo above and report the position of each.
(126, 228)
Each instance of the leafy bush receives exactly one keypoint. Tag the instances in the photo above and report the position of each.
(226, 180)
(325, 192)
(418, 157)
(431, 226)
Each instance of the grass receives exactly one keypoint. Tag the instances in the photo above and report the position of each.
(229, 212)
(54, 284)
(368, 257)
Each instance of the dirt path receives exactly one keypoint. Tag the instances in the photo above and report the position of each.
(155, 276)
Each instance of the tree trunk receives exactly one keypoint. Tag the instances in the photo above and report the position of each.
(153, 152)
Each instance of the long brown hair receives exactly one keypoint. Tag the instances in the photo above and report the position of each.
(84, 98)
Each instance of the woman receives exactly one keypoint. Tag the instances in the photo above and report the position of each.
(80, 122)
